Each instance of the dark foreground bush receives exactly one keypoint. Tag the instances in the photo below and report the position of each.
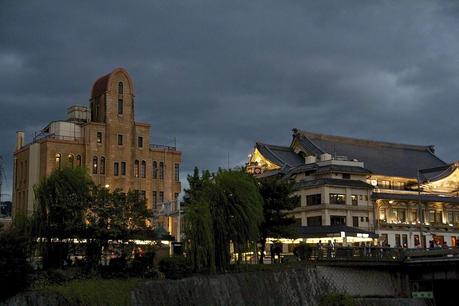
(14, 268)
(336, 299)
(175, 267)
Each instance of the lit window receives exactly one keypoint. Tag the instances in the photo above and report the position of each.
(336, 198)
(71, 160)
(136, 168)
(99, 137)
(78, 160)
(94, 164)
(354, 199)
(102, 165)
(58, 160)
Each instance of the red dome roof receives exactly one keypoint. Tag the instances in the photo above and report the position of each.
(100, 86)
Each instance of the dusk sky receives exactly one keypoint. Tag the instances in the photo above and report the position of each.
(219, 76)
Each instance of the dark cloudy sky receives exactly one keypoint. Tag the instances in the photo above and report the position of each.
(219, 76)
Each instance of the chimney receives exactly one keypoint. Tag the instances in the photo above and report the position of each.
(19, 139)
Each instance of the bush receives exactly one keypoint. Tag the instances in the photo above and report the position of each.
(336, 299)
(14, 268)
(175, 267)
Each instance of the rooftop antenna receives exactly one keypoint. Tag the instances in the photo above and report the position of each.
(1, 177)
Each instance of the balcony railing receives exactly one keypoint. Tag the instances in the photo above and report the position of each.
(163, 147)
(57, 137)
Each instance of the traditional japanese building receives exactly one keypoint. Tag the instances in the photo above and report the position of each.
(106, 139)
(403, 193)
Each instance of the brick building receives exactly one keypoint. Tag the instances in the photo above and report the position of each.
(106, 140)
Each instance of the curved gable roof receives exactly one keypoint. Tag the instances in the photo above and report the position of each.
(102, 84)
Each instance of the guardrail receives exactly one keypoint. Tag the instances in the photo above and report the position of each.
(160, 146)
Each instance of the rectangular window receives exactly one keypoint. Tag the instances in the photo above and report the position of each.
(405, 240)
(140, 142)
(383, 239)
(398, 242)
(123, 168)
(313, 199)
(314, 221)
(382, 214)
(161, 170)
(120, 106)
(155, 200)
(336, 198)
(161, 197)
(354, 200)
(432, 216)
(355, 221)
(99, 137)
(398, 185)
(120, 139)
(142, 194)
(346, 176)
(177, 172)
(337, 220)
(384, 184)
(116, 169)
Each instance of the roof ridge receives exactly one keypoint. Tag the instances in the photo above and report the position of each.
(350, 140)
(276, 146)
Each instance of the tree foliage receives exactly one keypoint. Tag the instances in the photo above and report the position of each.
(277, 204)
(222, 208)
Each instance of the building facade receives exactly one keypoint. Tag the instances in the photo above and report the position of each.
(403, 193)
(106, 139)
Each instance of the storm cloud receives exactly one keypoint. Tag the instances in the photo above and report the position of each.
(219, 76)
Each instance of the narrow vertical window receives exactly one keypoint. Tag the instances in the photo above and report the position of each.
(155, 200)
(71, 160)
(116, 169)
(155, 169)
(102, 165)
(78, 160)
(140, 142)
(120, 139)
(123, 168)
(177, 172)
(143, 168)
(120, 88)
(99, 137)
(58, 161)
(94, 165)
(161, 170)
(120, 106)
(136, 168)
(161, 197)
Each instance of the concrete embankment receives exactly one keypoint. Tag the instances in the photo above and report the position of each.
(300, 286)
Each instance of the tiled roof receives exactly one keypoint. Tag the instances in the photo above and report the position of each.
(332, 182)
(329, 169)
(100, 86)
(391, 159)
(281, 156)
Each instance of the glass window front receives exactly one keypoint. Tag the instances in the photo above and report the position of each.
(336, 198)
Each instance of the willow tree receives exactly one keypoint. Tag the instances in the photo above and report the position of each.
(61, 200)
(222, 208)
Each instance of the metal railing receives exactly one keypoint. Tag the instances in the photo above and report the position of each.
(58, 137)
(164, 147)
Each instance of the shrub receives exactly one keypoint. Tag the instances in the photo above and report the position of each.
(175, 267)
(337, 299)
(14, 268)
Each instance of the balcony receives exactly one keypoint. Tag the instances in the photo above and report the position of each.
(52, 136)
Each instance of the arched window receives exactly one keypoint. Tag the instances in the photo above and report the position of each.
(143, 167)
(161, 170)
(78, 160)
(136, 168)
(71, 160)
(120, 88)
(58, 160)
(155, 169)
(102, 165)
(94, 165)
